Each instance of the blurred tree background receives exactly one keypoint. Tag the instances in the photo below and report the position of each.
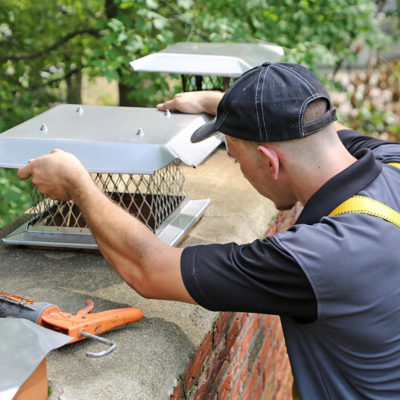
(49, 48)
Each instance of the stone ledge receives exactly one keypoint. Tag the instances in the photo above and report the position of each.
(153, 353)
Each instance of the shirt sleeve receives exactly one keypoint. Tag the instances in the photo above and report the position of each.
(355, 141)
(258, 277)
(383, 151)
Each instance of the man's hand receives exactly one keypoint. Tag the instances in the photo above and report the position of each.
(148, 265)
(56, 174)
(194, 102)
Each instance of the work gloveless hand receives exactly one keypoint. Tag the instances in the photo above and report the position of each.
(58, 174)
(194, 102)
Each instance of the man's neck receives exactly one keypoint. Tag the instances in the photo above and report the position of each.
(308, 178)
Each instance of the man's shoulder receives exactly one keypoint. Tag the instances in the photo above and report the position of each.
(355, 141)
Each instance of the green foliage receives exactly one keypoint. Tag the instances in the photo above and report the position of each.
(14, 196)
(36, 53)
(46, 45)
(372, 119)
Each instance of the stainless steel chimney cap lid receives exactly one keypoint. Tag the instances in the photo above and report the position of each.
(106, 139)
(213, 59)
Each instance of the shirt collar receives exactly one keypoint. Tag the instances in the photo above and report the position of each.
(339, 188)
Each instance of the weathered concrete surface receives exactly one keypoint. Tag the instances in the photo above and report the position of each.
(153, 353)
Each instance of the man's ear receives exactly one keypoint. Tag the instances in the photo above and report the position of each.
(271, 157)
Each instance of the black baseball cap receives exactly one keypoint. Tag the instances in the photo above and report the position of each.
(267, 104)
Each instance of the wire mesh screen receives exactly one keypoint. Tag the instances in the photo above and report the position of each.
(195, 82)
(151, 198)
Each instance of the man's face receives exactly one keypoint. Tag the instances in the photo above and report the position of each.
(254, 167)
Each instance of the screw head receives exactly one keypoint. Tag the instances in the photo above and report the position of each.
(43, 128)
(140, 132)
(79, 110)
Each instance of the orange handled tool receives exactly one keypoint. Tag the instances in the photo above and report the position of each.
(84, 324)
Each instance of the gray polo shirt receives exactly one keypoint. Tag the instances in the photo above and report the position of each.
(334, 281)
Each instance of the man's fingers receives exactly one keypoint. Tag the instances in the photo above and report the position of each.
(168, 105)
(25, 172)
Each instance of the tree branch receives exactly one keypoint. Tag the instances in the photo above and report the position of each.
(5, 42)
(55, 80)
(111, 8)
(44, 84)
(66, 38)
(185, 21)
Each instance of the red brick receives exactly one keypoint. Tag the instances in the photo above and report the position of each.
(265, 351)
(269, 320)
(241, 340)
(251, 384)
(281, 217)
(259, 389)
(198, 361)
(243, 375)
(234, 367)
(176, 394)
(217, 360)
(286, 368)
(200, 393)
(272, 350)
(277, 372)
(277, 328)
(235, 329)
(221, 326)
(268, 324)
(240, 381)
(272, 369)
(249, 336)
(289, 218)
(235, 392)
(238, 371)
(227, 380)
(249, 387)
(269, 370)
(225, 388)
(219, 377)
(284, 220)
(298, 208)
(262, 318)
(285, 226)
(207, 381)
(272, 229)
(285, 390)
(236, 342)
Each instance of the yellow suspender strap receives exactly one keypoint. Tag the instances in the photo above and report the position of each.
(395, 164)
(366, 205)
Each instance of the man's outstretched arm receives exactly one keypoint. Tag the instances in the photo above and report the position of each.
(338, 126)
(147, 265)
(194, 102)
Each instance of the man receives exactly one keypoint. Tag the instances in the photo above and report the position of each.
(334, 280)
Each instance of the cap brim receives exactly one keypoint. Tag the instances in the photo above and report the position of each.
(204, 132)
